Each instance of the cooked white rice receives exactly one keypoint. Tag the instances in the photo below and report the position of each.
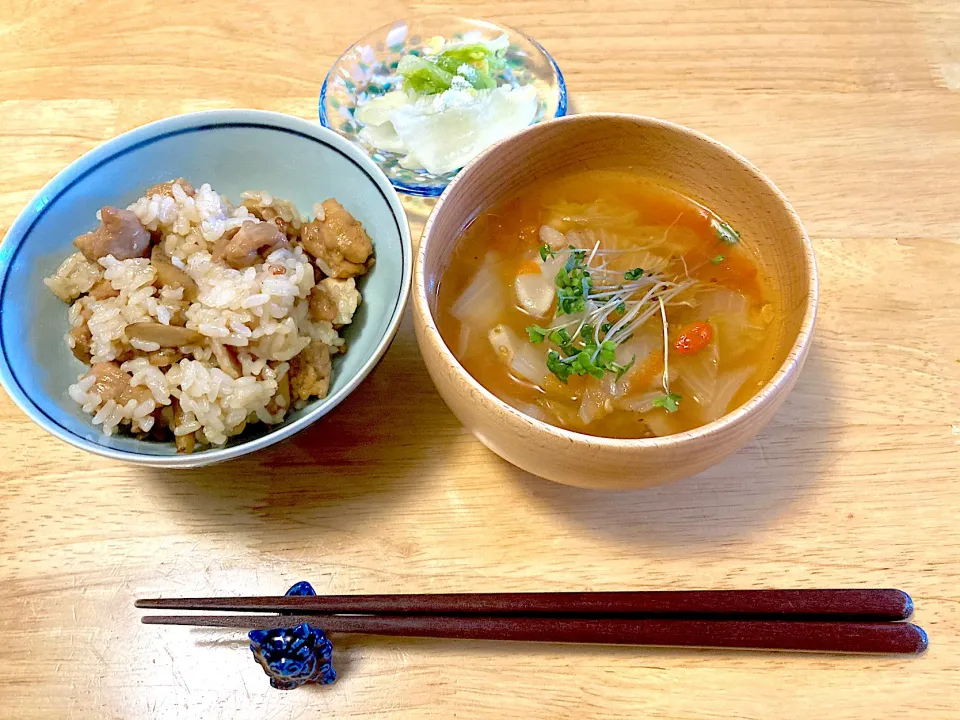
(75, 275)
(261, 311)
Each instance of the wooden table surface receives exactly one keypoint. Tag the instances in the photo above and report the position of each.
(851, 106)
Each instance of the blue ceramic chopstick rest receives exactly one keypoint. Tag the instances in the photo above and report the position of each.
(294, 656)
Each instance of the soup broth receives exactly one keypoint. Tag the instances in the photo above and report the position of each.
(559, 302)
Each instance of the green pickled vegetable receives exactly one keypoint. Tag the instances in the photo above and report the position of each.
(475, 62)
(423, 76)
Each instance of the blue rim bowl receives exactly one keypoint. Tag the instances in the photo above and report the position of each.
(368, 69)
(233, 150)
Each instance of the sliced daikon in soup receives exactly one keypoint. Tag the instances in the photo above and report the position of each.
(639, 403)
(643, 352)
(669, 240)
(660, 423)
(597, 399)
(524, 360)
(534, 285)
(531, 410)
(593, 215)
(551, 237)
(582, 239)
(729, 312)
(698, 374)
(482, 301)
(728, 385)
(534, 293)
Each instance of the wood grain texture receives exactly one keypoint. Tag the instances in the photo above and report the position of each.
(852, 107)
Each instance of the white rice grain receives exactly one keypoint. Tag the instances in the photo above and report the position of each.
(214, 331)
(143, 345)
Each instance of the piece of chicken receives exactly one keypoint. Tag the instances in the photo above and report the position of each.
(81, 339)
(323, 307)
(338, 242)
(103, 290)
(112, 383)
(166, 188)
(310, 372)
(280, 401)
(287, 228)
(120, 234)
(269, 214)
(242, 249)
(335, 301)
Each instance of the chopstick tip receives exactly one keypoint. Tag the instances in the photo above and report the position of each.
(907, 605)
(923, 640)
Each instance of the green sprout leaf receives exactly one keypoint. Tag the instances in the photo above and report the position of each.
(718, 259)
(586, 354)
(575, 260)
(573, 284)
(621, 369)
(558, 367)
(727, 234)
(537, 334)
(669, 402)
(562, 339)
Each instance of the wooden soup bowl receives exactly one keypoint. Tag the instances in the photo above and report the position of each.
(707, 171)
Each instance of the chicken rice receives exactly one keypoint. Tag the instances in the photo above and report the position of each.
(197, 317)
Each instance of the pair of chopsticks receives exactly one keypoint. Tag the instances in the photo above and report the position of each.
(857, 621)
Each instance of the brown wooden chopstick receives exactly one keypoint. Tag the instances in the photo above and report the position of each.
(841, 604)
(833, 637)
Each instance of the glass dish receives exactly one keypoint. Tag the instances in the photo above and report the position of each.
(368, 69)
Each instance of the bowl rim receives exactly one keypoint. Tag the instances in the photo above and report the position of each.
(780, 380)
(178, 124)
(435, 190)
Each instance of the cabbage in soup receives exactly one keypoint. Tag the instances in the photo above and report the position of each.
(606, 303)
